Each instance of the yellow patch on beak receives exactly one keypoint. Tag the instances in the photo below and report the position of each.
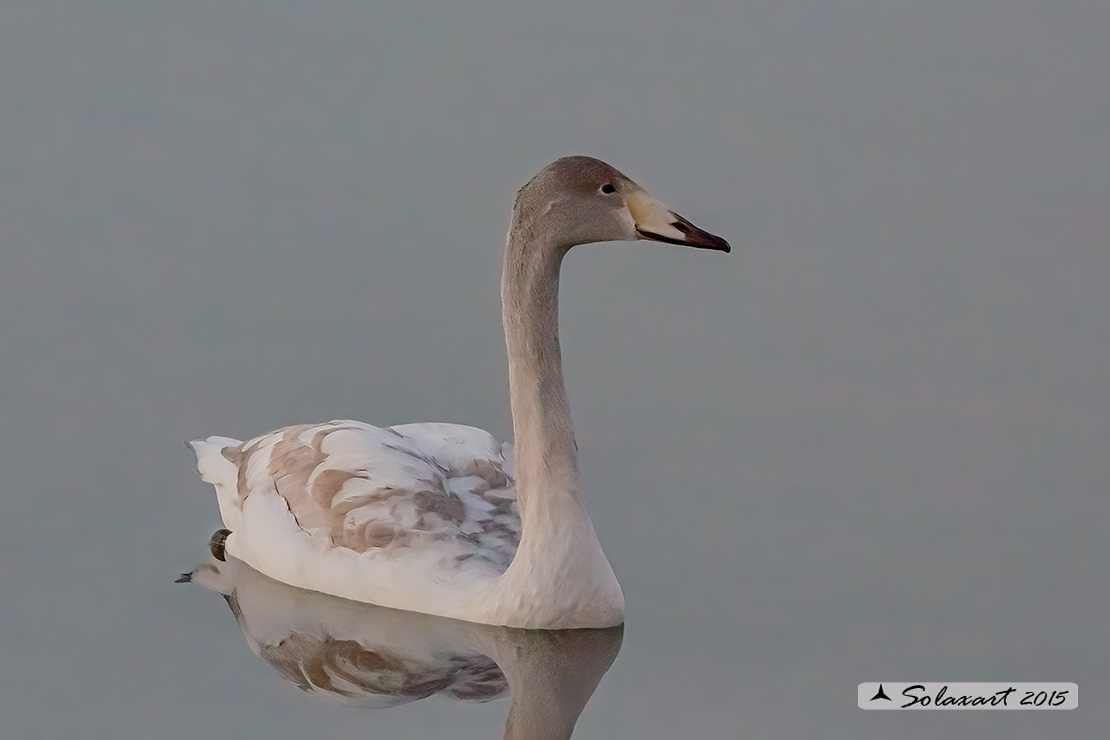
(651, 216)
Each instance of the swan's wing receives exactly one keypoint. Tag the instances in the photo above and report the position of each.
(440, 492)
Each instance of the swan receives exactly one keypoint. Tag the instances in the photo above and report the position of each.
(445, 519)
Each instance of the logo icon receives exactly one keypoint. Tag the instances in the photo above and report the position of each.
(880, 694)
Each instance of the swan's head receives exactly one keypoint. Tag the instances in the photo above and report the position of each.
(579, 200)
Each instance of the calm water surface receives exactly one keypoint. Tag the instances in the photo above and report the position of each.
(870, 444)
(366, 656)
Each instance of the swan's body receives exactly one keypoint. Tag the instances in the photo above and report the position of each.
(426, 517)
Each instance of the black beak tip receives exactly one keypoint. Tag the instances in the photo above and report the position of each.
(695, 237)
(184, 578)
(705, 240)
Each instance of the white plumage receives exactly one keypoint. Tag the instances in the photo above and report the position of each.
(401, 516)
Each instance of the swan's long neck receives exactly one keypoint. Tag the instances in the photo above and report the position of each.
(546, 454)
(560, 576)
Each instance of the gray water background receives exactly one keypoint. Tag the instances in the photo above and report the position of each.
(871, 444)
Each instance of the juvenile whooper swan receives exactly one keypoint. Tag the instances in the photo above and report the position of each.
(426, 517)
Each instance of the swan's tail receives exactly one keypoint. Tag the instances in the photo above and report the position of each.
(216, 468)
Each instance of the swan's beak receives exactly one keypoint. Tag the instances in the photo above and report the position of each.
(655, 222)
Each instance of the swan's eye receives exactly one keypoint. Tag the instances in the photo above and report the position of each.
(607, 189)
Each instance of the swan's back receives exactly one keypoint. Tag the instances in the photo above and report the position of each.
(387, 515)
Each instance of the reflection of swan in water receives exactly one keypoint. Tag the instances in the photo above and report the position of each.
(435, 518)
(371, 656)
